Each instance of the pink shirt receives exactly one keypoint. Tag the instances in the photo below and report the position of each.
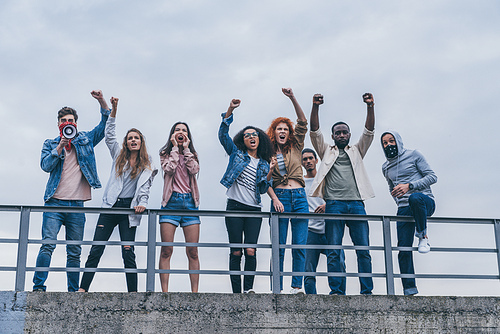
(181, 177)
(73, 185)
(169, 165)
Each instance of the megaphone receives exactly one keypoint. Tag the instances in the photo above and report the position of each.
(68, 130)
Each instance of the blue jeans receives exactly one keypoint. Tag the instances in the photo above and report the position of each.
(51, 224)
(421, 206)
(359, 233)
(312, 258)
(293, 200)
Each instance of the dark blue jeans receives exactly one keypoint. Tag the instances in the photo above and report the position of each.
(421, 206)
(312, 258)
(105, 226)
(51, 224)
(293, 200)
(359, 233)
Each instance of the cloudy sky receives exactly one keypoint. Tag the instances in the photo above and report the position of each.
(433, 67)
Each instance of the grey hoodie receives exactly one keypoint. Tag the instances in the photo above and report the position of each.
(409, 166)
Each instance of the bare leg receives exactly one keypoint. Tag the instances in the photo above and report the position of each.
(192, 234)
(167, 232)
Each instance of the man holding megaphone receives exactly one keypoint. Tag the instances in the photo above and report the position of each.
(70, 160)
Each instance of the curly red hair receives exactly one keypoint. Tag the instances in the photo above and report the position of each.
(271, 132)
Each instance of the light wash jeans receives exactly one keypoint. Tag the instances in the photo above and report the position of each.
(51, 224)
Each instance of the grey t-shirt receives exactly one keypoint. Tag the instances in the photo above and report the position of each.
(340, 183)
(129, 184)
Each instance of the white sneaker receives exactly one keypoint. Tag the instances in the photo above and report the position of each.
(251, 291)
(294, 291)
(423, 245)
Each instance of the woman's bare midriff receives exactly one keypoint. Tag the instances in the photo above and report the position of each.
(292, 184)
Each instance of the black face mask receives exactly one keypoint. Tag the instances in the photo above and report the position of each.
(391, 151)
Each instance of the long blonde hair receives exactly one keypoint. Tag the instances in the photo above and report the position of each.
(124, 157)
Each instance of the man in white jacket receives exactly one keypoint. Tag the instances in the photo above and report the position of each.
(343, 183)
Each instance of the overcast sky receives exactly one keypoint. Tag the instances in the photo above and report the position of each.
(433, 67)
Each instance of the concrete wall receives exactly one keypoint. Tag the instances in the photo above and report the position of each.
(62, 312)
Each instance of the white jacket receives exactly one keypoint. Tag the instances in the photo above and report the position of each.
(115, 183)
(329, 154)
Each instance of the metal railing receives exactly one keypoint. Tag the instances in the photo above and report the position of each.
(23, 240)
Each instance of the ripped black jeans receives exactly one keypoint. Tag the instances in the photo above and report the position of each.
(105, 226)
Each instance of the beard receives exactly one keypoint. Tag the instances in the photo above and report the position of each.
(341, 144)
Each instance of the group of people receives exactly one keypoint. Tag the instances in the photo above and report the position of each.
(260, 162)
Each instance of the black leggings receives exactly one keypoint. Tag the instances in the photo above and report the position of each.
(105, 226)
(236, 227)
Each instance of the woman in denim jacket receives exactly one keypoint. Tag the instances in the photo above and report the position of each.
(132, 175)
(246, 177)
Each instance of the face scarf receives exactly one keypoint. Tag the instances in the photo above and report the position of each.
(68, 130)
(391, 151)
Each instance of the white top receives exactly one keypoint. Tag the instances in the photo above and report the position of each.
(243, 188)
(315, 225)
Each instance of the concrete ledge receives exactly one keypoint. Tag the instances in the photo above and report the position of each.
(56, 312)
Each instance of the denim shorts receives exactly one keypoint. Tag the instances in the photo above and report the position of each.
(180, 202)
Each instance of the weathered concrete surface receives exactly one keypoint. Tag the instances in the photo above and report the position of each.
(61, 312)
(12, 311)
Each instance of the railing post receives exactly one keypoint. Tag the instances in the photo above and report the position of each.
(275, 253)
(22, 248)
(151, 252)
(497, 240)
(389, 268)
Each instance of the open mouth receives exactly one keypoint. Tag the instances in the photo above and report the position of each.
(180, 138)
(282, 137)
(252, 142)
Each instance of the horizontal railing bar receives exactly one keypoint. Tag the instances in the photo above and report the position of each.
(219, 213)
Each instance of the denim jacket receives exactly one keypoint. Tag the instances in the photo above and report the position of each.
(238, 160)
(52, 162)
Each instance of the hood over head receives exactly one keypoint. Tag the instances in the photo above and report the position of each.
(399, 143)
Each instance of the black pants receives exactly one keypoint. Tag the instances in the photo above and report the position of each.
(105, 226)
(236, 228)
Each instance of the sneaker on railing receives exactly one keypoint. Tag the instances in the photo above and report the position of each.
(251, 291)
(423, 245)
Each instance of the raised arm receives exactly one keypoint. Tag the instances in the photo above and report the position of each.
(298, 110)
(97, 94)
(97, 133)
(370, 111)
(224, 137)
(317, 101)
(110, 131)
(235, 103)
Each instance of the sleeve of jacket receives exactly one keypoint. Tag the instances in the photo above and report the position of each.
(143, 191)
(365, 141)
(110, 137)
(264, 184)
(97, 133)
(224, 138)
(193, 167)
(428, 175)
(318, 142)
(49, 158)
(169, 162)
(300, 133)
